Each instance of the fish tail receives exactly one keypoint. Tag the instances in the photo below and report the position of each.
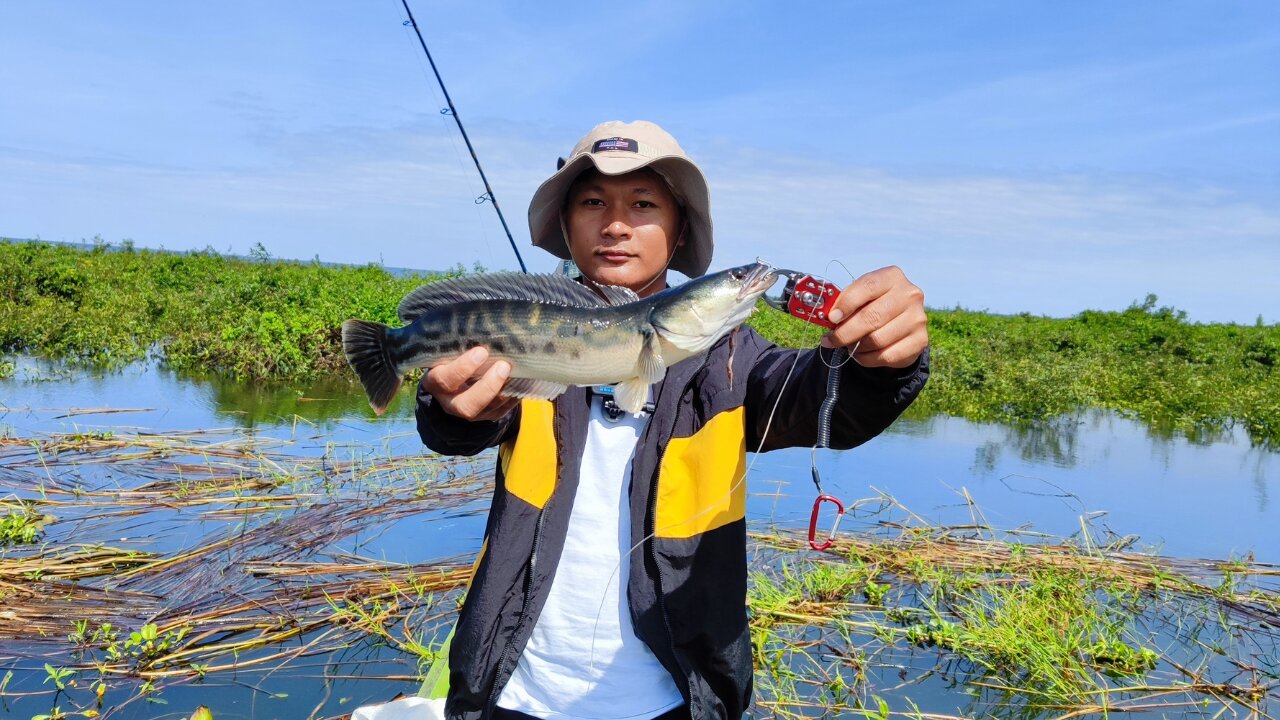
(365, 344)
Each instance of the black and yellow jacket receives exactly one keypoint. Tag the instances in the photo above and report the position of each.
(688, 582)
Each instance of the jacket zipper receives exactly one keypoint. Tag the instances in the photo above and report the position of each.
(652, 525)
(520, 620)
(528, 589)
(662, 602)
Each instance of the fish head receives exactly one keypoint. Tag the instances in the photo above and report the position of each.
(694, 315)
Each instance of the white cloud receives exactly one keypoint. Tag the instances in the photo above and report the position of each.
(1051, 244)
(1055, 244)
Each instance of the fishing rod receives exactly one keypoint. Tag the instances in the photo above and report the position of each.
(452, 111)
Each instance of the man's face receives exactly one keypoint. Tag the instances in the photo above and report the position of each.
(623, 228)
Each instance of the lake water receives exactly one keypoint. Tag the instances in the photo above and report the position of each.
(1215, 497)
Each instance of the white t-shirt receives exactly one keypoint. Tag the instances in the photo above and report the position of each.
(584, 661)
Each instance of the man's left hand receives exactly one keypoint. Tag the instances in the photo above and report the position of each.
(882, 313)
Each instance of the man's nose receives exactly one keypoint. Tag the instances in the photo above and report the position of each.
(617, 230)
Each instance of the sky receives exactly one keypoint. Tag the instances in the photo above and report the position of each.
(1017, 156)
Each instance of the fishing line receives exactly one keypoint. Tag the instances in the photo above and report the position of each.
(710, 507)
(452, 111)
(729, 494)
(848, 356)
(464, 176)
(445, 124)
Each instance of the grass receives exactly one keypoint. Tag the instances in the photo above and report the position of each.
(1041, 630)
(1030, 627)
(198, 311)
(272, 320)
(1146, 362)
(20, 523)
(262, 575)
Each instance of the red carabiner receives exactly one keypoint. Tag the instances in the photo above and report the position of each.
(813, 522)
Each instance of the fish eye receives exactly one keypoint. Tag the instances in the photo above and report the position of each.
(738, 273)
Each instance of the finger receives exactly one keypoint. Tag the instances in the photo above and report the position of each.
(470, 403)
(866, 320)
(453, 376)
(913, 320)
(897, 344)
(866, 289)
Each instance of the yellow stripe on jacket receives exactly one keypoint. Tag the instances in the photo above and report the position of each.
(529, 462)
(700, 485)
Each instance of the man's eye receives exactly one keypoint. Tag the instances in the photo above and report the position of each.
(592, 201)
(645, 204)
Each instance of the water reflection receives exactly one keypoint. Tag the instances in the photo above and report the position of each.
(38, 385)
(1057, 442)
(1163, 492)
(1053, 443)
(324, 400)
(1207, 495)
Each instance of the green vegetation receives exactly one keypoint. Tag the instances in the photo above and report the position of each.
(262, 319)
(262, 585)
(1146, 361)
(248, 318)
(20, 523)
(1030, 630)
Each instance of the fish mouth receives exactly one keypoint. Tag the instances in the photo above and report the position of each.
(759, 278)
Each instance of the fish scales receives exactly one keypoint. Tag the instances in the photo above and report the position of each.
(553, 331)
(534, 349)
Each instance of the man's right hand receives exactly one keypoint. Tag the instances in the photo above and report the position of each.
(464, 387)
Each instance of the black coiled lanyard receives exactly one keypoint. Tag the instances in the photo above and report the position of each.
(839, 357)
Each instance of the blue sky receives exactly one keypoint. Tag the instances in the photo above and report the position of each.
(1013, 156)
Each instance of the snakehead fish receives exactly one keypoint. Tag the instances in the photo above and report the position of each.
(554, 331)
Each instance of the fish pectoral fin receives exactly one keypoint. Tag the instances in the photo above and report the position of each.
(532, 388)
(631, 395)
(650, 365)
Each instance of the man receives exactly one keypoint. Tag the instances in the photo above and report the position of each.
(612, 581)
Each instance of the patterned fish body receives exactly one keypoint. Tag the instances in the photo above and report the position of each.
(553, 331)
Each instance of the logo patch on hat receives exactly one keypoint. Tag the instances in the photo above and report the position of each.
(616, 144)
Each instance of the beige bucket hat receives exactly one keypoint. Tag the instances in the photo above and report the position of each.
(615, 148)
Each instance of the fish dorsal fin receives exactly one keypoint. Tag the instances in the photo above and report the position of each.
(548, 289)
(617, 295)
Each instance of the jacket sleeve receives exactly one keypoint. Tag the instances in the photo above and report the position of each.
(451, 435)
(787, 388)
